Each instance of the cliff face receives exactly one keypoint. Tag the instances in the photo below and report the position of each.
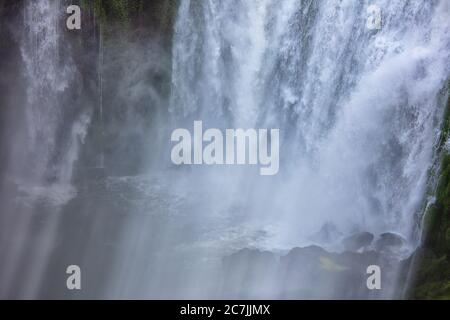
(10, 67)
(133, 63)
(119, 40)
(432, 261)
(138, 17)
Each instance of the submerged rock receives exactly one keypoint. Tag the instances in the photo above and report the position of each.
(358, 241)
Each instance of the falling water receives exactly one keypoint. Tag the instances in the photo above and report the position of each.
(358, 112)
(357, 108)
(43, 168)
(51, 75)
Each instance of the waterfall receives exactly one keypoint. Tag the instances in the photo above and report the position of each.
(359, 112)
(357, 107)
(55, 127)
(54, 135)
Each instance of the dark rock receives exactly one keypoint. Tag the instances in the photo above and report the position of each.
(307, 258)
(301, 274)
(304, 273)
(389, 240)
(249, 273)
(355, 260)
(298, 254)
(314, 272)
(358, 241)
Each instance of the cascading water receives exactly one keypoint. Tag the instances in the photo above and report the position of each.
(50, 75)
(358, 112)
(357, 108)
(42, 160)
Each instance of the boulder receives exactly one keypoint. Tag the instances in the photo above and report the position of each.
(389, 240)
(358, 241)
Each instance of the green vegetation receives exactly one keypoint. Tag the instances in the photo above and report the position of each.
(155, 15)
(433, 267)
(108, 11)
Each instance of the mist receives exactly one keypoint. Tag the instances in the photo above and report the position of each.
(87, 177)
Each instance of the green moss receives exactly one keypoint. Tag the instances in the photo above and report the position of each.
(433, 268)
(434, 291)
(432, 276)
(119, 9)
(126, 15)
(437, 217)
(109, 12)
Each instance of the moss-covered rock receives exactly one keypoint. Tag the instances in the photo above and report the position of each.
(432, 276)
(432, 266)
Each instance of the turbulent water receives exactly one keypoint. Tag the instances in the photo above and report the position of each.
(52, 139)
(357, 108)
(359, 118)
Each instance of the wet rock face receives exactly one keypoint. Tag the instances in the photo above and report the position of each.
(309, 272)
(358, 241)
(11, 95)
